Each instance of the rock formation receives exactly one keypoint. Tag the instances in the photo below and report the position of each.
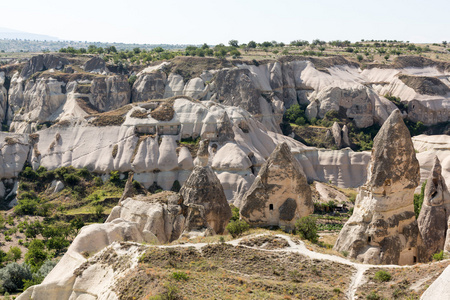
(96, 65)
(337, 134)
(204, 188)
(280, 193)
(433, 217)
(43, 62)
(159, 217)
(383, 229)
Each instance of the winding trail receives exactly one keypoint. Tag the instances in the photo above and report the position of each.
(357, 278)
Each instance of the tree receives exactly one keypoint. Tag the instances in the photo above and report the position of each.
(359, 57)
(36, 254)
(251, 44)
(233, 43)
(15, 253)
(307, 228)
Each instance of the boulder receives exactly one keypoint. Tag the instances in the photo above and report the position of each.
(280, 193)
(96, 65)
(43, 62)
(383, 229)
(203, 188)
(433, 217)
(337, 134)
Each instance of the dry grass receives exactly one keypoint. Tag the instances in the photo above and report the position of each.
(223, 271)
(406, 283)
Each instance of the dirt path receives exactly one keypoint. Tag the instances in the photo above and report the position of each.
(357, 279)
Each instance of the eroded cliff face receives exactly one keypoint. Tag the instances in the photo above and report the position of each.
(383, 228)
(48, 89)
(54, 96)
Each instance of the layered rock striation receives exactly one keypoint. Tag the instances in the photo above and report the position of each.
(383, 228)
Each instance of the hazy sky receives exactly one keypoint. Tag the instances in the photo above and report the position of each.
(213, 22)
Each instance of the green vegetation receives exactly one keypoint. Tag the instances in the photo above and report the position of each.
(180, 276)
(439, 256)
(236, 228)
(418, 199)
(306, 227)
(382, 276)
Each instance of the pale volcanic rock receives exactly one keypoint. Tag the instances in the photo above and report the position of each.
(76, 277)
(155, 218)
(383, 229)
(149, 86)
(280, 193)
(337, 134)
(433, 217)
(345, 140)
(440, 288)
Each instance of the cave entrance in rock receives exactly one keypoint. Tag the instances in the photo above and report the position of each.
(270, 206)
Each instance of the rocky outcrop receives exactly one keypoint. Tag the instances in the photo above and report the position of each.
(75, 278)
(383, 228)
(96, 65)
(149, 86)
(433, 217)
(280, 193)
(204, 188)
(51, 98)
(158, 217)
(43, 62)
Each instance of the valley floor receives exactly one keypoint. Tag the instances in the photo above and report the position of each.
(264, 265)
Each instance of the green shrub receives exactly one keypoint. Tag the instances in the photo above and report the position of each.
(84, 173)
(26, 207)
(235, 213)
(13, 276)
(15, 253)
(418, 200)
(306, 227)
(373, 296)
(98, 181)
(29, 174)
(72, 179)
(132, 79)
(439, 256)
(114, 178)
(180, 276)
(36, 254)
(382, 276)
(236, 228)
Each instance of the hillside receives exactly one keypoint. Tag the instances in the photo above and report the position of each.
(168, 156)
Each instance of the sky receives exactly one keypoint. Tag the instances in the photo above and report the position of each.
(214, 22)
